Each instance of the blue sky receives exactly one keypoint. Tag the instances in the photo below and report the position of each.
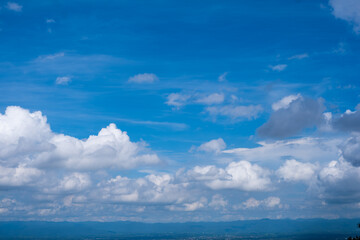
(169, 111)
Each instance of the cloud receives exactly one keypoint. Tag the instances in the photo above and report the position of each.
(63, 80)
(292, 171)
(214, 146)
(13, 6)
(177, 100)
(237, 175)
(299, 56)
(27, 137)
(285, 122)
(18, 176)
(351, 150)
(215, 98)
(50, 20)
(222, 77)
(349, 121)
(339, 183)
(285, 102)
(278, 68)
(269, 202)
(143, 78)
(348, 10)
(234, 112)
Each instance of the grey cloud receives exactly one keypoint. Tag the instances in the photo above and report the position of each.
(350, 121)
(351, 150)
(285, 122)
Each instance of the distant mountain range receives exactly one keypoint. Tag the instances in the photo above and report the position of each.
(249, 229)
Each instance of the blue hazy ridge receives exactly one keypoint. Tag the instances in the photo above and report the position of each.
(249, 229)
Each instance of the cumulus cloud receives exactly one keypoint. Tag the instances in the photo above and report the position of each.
(27, 137)
(348, 10)
(237, 175)
(63, 80)
(339, 183)
(278, 68)
(300, 114)
(292, 171)
(18, 176)
(351, 150)
(215, 98)
(143, 78)
(234, 112)
(214, 146)
(13, 6)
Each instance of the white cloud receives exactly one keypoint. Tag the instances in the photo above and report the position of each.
(234, 112)
(278, 68)
(143, 78)
(50, 20)
(215, 146)
(348, 10)
(46, 58)
(63, 80)
(299, 56)
(18, 176)
(237, 175)
(285, 102)
(293, 170)
(177, 100)
(215, 98)
(13, 6)
(27, 137)
(222, 77)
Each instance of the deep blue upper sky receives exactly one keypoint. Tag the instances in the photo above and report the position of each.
(191, 82)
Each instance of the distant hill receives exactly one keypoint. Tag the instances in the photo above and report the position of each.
(250, 229)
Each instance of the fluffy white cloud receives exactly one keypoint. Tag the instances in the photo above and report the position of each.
(293, 170)
(234, 112)
(215, 146)
(215, 98)
(279, 67)
(348, 10)
(143, 78)
(63, 80)
(26, 138)
(300, 114)
(339, 183)
(237, 175)
(18, 176)
(13, 6)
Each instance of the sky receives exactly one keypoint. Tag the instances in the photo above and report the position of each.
(175, 111)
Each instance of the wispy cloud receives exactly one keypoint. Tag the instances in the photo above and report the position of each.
(278, 68)
(222, 77)
(13, 6)
(143, 78)
(299, 56)
(63, 80)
